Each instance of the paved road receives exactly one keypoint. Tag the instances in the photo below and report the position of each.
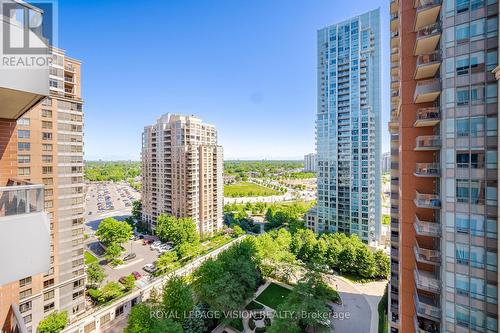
(356, 312)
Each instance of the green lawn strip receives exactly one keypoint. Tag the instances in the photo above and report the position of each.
(89, 258)
(382, 314)
(253, 305)
(246, 189)
(273, 295)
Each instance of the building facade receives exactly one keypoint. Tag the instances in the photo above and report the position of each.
(444, 143)
(386, 162)
(48, 150)
(348, 127)
(310, 162)
(182, 172)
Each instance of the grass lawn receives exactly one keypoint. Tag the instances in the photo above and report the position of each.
(254, 306)
(89, 258)
(246, 189)
(237, 324)
(273, 295)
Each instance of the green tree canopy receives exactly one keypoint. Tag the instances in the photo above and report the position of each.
(53, 323)
(177, 298)
(111, 231)
(95, 274)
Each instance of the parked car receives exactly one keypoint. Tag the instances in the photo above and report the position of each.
(122, 280)
(136, 275)
(150, 268)
(155, 245)
(130, 256)
(147, 242)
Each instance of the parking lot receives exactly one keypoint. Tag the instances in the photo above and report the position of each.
(115, 200)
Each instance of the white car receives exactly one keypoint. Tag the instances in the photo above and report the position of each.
(150, 268)
(155, 245)
(164, 248)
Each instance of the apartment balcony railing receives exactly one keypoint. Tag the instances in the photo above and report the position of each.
(427, 65)
(394, 21)
(427, 91)
(427, 228)
(21, 210)
(427, 281)
(427, 307)
(427, 117)
(427, 12)
(68, 79)
(427, 256)
(424, 200)
(423, 325)
(427, 170)
(69, 68)
(427, 39)
(428, 142)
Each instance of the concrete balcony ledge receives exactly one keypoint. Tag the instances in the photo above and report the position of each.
(24, 232)
(427, 200)
(427, 228)
(427, 170)
(427, 281)
(427, 39)
(427, 256)
(428, 142)
(427, 12)
(427, 307)
(427, 91)
(427, 117)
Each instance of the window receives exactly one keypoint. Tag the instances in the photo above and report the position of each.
(46, 147)
(25, 293)
(23, 134)
(462, 65)
(462, 33)
(23, 159)
(462, 96)
(48, 295)
(462, 253)
(25, 281)
(48, 283)
(48, 181)
(23, 171)
(48, 307)
(46, 113)
(46, 170)
(462, 127)
(27, 319)
(23, 121)
(77, 294)
(23, 146)
(47, 124)
(46, 136)
(25, 306)
(47, 158)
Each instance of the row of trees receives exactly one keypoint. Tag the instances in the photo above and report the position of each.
(111, 171)
(260, 168)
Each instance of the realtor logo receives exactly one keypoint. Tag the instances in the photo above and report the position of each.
(27, 32)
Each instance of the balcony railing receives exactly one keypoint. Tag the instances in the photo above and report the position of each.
(424, 200)
(422, 4)
(428, 142)
(427, 117)
(427, 65)
(427, 169)
(427, 307)
(429, 30)
(428, 256)
(427, 91)
(21, 197)
(423, 325)
(427, 281)
(427, 228)
(426, 59)
(427, 35)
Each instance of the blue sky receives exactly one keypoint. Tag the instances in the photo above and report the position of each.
(248, 67)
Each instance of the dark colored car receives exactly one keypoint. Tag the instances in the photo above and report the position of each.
(137, 275)
(122, 279)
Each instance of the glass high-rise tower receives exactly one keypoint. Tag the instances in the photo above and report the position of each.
(348, 127)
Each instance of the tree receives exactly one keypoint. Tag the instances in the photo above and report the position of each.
(176, 230)
(111, 231)
(53, 323)
(137, 210)
(139, 320)
(110, 291)
(95, 274)
(238, 231)
(188, 250)
(113, 251)
(382, 263)
(129, 282)
(166, 325)
(195, 322)
(177, 298)
(167, 261)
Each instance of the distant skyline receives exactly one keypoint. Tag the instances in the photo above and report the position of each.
(249, 68)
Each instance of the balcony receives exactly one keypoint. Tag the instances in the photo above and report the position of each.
(427, 256)
(427, 12)
(427, 228)
(424, 200)
(427, 91)
(427, 170)
(423, 325)
(21, 88)
(427, 281)
(427, 307)
(428, 142)
(427, 39)
(394, 21)
(22, 218)
(427, 117)
(427, 65)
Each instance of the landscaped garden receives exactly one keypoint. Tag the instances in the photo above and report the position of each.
(89, 258)
(273, 295)
(247, 189)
